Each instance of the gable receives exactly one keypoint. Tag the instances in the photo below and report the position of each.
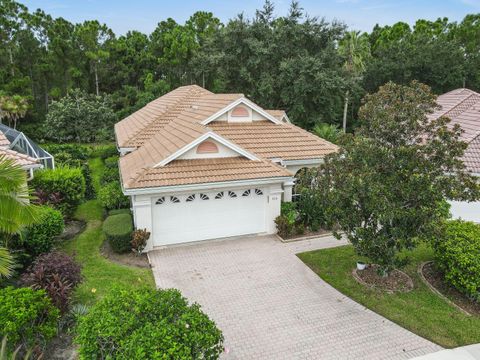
(209, 149)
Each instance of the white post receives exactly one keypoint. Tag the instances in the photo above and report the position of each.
(287, 190)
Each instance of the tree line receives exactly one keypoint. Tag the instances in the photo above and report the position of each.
(316, 70)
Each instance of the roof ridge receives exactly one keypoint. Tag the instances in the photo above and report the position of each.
(456, 110)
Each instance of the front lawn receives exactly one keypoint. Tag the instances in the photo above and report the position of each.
(420, 311)
(100, 274)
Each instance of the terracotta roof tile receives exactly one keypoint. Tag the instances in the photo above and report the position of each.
(197, 171)
(19, 158)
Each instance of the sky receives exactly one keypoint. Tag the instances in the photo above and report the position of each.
(144, 15)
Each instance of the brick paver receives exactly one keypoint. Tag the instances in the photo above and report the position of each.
(269, 305)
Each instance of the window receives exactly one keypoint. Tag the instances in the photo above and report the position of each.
(191, 198)
(160, 201)
(204, 197)
(174, 199)
(207, 147)
(258, 192)
(219, 195)
(246, 193)
(232, 194)
(240, 111)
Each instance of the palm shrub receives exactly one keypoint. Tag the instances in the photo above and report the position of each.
(457, 255)
(328, 132)
(147, 324)
(27, 317)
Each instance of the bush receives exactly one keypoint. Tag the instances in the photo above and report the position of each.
(287, 222)
(458, 256)
(118, 230)
(70, 151)
(89, 188)
(27, 317)
(66, 185)
(119, 211)
(40, 237)
(105, 151)
(58, 274)
(112, 162)
(109, 175)
(111, 196)
(147, 324)
(139, 240)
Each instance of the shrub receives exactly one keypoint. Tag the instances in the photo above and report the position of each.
(118, 230)
(112, 162)
(27, 317)
(57, 273)
(119, 211)
(67, 184)
(139, 240)
(39, 238)
(458, 256)
(147, 324)
(111, 196)
(287, 221)
(89, 188)
(74, 151)
(109, 175)
(105, 151)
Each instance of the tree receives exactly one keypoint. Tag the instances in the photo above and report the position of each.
(13, 108)
(328, 132)
(387, 186)
(355, 48)
(80, 117)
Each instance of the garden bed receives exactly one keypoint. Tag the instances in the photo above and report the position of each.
(435, 279)
(396, 281)
(129, 258)
(306, 235)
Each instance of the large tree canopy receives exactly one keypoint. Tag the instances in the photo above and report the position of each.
(387, 187)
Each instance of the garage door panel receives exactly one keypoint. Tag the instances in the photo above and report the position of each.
(203, 219)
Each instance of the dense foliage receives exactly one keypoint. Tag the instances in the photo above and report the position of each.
(147, 324)
(457, 254)
(386, 186)
(62, 188)
(27, 316)
(289, 222)
(118, 230)
(111, 196)
(40, 237)
(58, 274)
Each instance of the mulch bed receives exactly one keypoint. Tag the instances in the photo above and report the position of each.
(61, 348)
(308, 233)
(396, 281)
(72, 229)
(436, 280)
(130, 259)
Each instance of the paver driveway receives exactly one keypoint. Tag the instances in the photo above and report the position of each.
(269, 305)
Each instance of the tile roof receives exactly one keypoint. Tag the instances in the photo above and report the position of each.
(19, 158)
(278, 114)
(173, 121)
(269, 140)
(3, 140)
(198, 171)
(462, 106)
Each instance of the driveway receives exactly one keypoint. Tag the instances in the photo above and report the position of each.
(269, 305)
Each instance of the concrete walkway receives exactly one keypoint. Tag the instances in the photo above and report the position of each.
(269, 305)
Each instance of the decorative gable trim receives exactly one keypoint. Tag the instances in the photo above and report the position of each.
(244, 101)
(209, 135)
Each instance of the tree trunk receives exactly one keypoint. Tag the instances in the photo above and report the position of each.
(12, 68)
(345, 109)
(96, 78)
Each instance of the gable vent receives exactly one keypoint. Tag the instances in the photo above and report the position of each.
(207, 147)
(240, 111)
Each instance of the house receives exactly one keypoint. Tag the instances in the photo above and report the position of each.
(462, 106)
(199, 165)
(28, 163)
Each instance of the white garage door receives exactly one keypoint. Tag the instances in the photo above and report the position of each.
(208, 215)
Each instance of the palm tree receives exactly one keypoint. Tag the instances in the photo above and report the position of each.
(328, 132)
(13, 108)
(16, 210)
(355, 48)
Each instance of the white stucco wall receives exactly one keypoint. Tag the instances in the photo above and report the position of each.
(469, 211)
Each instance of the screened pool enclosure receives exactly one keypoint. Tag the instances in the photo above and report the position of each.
(23, 144)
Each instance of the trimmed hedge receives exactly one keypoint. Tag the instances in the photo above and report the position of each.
(147, 324)
(75, 151)
(119, 211)
(105, 151)
(111, 196)
(40, 237)
(67, 184)
(458, 256)
(27, 317)
(109, 175)
(118, 230)
(112, 162)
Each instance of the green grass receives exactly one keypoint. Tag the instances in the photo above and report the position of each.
(100, 274)
(420, 311)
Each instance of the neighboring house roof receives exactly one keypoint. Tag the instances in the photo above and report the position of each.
(3, 140)
(462, 106)
(23, 160)
(199, 171)
(158, 132)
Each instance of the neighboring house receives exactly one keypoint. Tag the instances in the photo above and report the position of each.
(200, 166)
(26, 162)
(21, 143)
(462, 106)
